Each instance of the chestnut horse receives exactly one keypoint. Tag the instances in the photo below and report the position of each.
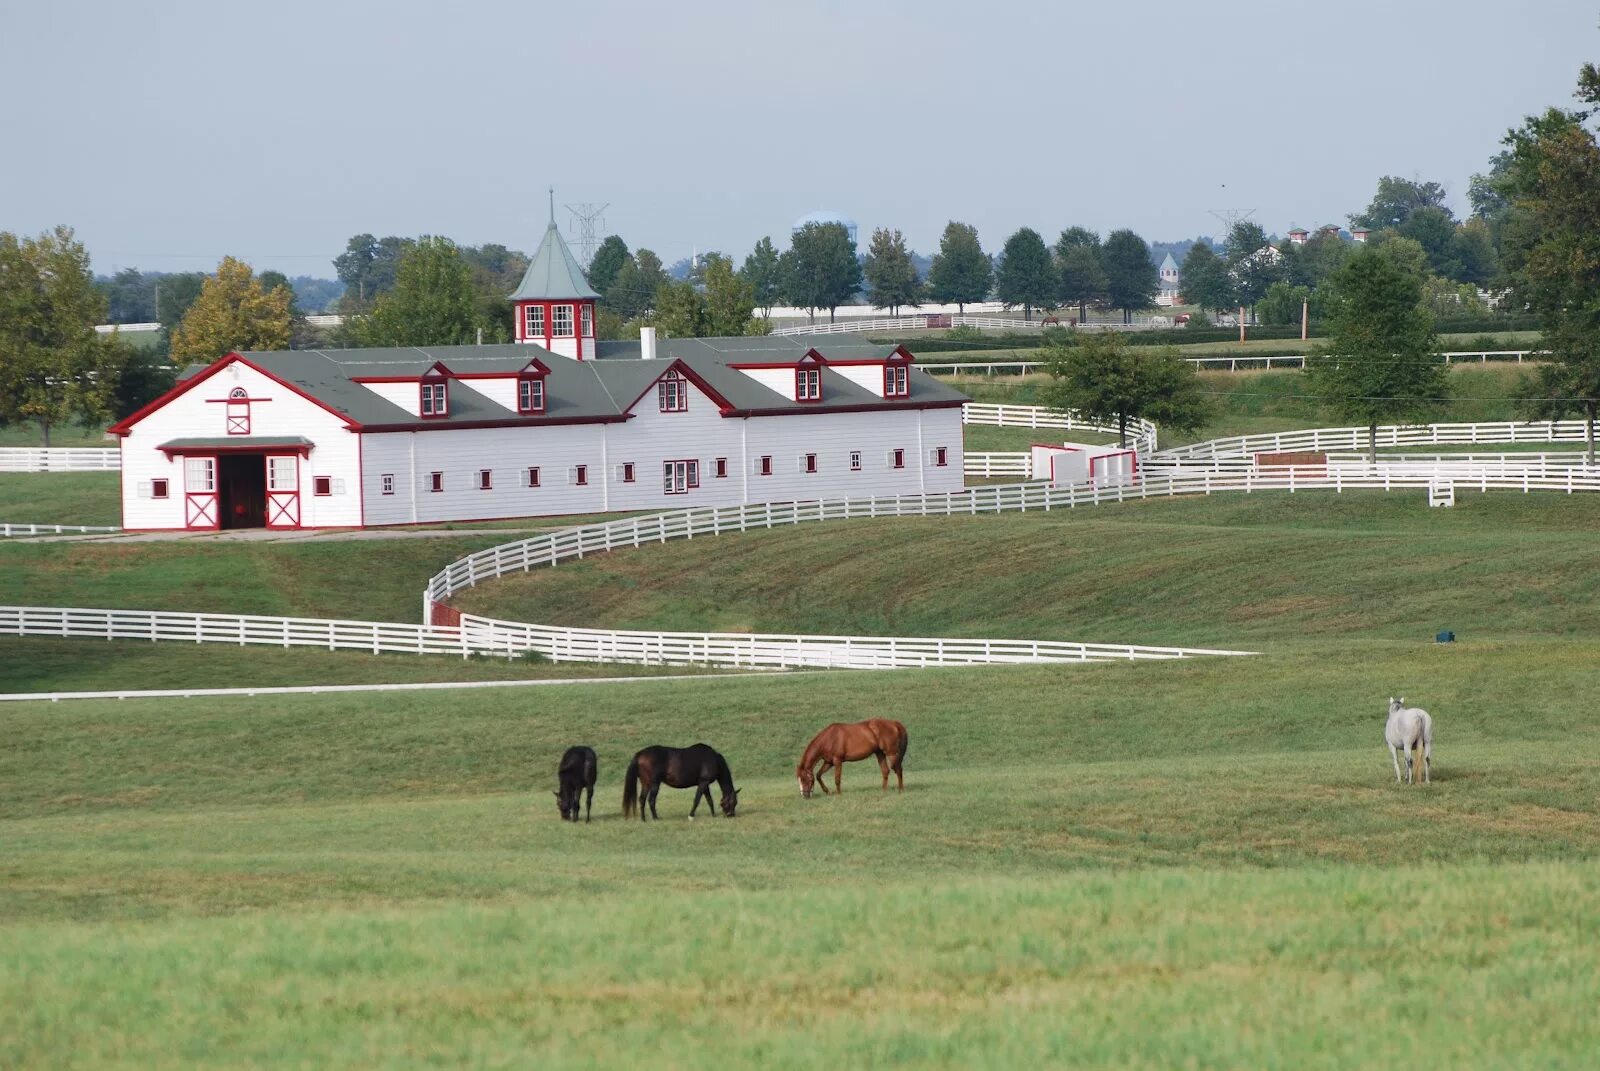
(839, 743)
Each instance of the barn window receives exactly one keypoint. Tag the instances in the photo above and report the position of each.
(321, 486)
(941, 457)
(586, 320)
(765, 465)
(722, 468)
(158, 488)
(199, 474)
(673, 393)
(855, 461)
(387, 483)
(897, 459)
(624, 472)
(436, 481)
(808, 384)
(238, 411)
(680, 477)
(533, 321)
(435, 400)
(561, 321)
(808, 462)
(896, 381)
(486, 479)
(580, 475)
(530, 395)
(532, 478)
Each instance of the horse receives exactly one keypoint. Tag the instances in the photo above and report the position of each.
(1411, 729)
(578, 770)
(840, 743)
(678, 767)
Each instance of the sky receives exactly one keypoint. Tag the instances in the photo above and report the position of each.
(171, 134)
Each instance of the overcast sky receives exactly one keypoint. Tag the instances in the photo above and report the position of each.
(169, 134)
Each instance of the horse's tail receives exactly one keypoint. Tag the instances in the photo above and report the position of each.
(630, 788)
(905, 740)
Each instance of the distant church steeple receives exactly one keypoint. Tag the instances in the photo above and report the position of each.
(555, 303)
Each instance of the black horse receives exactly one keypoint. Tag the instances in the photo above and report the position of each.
(577, 771)
(679, 767)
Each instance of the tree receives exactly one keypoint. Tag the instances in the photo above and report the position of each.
(1406, 254)
(891, 277)
(233, 312)
(1319, 258)
(433, 302)
(763, 271)
(1395, 201)
(1132, 278)
(368, 267)
(1026, 275)
(1475, 250)
(54, 366)
(173, 295)
(608, 260)
(820, 268)
(1204, 278)
(961, 271)
(1553, 257)
(1283, 303)
(1434, 230)
(630, 294)
(1253, 264)
(1082, 278)
(680, 311)
(730, 302)
(1380, 362)
(1103, 378)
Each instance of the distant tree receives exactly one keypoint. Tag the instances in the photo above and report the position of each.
(680, 311)
(368, 266)
(1079, 272)
(651, 274)
(1475, 251)
(1132, 279)
(1553, 258)
(1103, 378)
(146, 375)
(1434, 230)
(891, 277)
(961, 271)
(630, 294)
(1204, 278)
(1319, 258)
(730, 302)
(54, 366)
(173, 295)
(130, 297)
(1404, 253)
(233, 312)
(820, 268)
(608, 260)
(1282, 303)
(1253, 263)
(1395, 201)
(763, 271)
(496, 272)
(1448, 299)
(1026, 275)
(1379, 364)
(1487, 195)
(432, 303)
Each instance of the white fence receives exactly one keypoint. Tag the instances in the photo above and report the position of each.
(1143, 432)
(998, 466)
(1233, 364)
(941, 321)
(7, 530)
(63, 459)
(1355, 439)
(374, 637)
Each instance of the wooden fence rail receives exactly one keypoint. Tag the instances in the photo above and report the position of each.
(65, 459)
(9, 529)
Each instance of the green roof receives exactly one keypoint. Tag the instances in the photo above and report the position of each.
(238, 442)
(553, 272)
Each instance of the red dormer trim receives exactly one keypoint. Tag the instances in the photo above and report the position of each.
(808, 384)
(433, 397)
(692, 376)
(124, 427)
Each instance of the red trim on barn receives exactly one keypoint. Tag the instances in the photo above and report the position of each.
(125, 426)
(677, 365)
(303, 449)
(860, 407)
(530, 421)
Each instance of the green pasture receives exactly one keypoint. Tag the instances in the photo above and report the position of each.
(61, 498)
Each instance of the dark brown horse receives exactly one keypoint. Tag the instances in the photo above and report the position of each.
(677, 767)
(839, 743)
(577, 771)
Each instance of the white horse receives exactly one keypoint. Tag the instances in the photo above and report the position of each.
(1410, 729)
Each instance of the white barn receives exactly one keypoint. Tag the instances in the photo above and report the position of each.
(350, 438)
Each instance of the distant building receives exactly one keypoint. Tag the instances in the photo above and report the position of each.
(829, 217)
(1168, 294)
(1359, 234)
(1298, 235)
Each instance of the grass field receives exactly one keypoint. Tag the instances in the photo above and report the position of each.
(60, 497)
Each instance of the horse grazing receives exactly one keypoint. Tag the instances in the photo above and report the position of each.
(1410, 729)
(677, 767)
(840, 743)
(577, 771)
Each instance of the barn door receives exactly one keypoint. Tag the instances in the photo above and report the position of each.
(283, 492)
(200, 492)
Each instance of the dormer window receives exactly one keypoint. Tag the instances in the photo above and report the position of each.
(896, 381)
(435, 399)
(808, 384)
(673, 392)
(530, 394)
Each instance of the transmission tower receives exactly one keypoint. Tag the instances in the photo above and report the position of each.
(1231, 216)
(587, 223)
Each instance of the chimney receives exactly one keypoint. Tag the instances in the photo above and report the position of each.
(647, 343)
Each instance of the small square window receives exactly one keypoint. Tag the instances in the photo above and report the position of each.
(766, 465)
(533, 476)
(486, 479)
(158, 488)
(436, 481)
(941, 456)
(627, 472)
(321, 486)
(855, 461)
(580, 475)
(533, 318)
(810, 462)
(387, 481)
(722, 468)
(897, 459)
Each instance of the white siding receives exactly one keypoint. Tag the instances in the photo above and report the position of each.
(869, 376)
(652, 438)
(501, 390)
(833, 436)
(192, 416)
(407, 396)
(779, 380)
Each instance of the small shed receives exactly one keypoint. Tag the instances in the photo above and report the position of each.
(1072, 464)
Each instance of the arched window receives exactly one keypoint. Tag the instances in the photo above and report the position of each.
(238, 411)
